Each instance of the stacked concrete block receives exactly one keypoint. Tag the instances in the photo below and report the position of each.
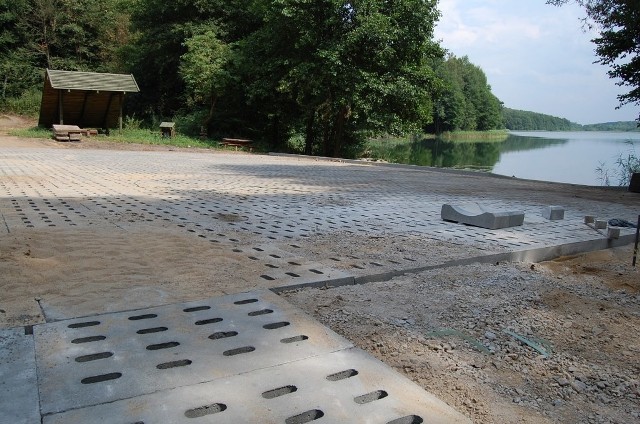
(553, 213)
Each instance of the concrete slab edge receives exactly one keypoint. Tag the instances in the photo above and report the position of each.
(540, 254)
(390, 165)
(430, 168)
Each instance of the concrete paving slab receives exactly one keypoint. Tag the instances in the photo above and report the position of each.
(103, 358)
(347, 386)
(18, 380)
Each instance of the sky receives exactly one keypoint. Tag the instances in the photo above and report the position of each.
(537, 57)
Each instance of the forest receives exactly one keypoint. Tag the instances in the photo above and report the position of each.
(330, 72)
(522, 120)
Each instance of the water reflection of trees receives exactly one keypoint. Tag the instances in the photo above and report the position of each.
(446, 154)
(518, 143)
(461, 154)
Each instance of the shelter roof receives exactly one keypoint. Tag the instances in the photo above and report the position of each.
(93, 81)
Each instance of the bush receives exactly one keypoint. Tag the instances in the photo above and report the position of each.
(27, 104)
(626, 165)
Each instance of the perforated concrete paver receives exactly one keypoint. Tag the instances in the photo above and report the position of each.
(242, 202)
(115, 356)
(347, 386)
(249, 357)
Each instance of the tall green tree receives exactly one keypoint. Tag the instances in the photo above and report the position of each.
(170, 41)
(466, 101)
(58, 34)
(204, 69)
(338, 69)
(17, 73)
(618, 45)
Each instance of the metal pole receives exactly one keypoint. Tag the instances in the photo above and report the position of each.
(635, 247)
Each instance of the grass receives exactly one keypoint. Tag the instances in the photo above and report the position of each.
(486, 136)
(132, 136)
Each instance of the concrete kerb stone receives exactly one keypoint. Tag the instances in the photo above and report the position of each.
(19, 400)
(535, 255)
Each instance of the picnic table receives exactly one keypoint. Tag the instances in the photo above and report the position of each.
(237, 142)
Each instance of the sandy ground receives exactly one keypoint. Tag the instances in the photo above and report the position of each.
(553, 342)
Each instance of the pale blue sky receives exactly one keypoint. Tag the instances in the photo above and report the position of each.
(536, 57)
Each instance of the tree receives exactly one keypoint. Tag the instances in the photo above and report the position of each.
(337, 69)
(466, 102)
(618, 45)
(204, 69)
(58, 34)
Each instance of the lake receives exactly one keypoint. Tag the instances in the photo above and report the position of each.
(567, 157)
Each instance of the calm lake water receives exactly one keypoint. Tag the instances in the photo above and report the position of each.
(567, 157)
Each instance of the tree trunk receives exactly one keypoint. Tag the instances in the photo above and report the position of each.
(4, 86)
(338, 131)
(209, 118)
(309, 134)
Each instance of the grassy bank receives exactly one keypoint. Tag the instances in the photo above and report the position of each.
(133, 136)
(485, 136)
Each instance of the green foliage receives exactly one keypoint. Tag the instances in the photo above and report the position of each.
(28, 103)
(56, 34)
(623, 126)
(465, 101)
(335, 70)
(521, 120)
(329, 72)
(626, 164)
(618, 45)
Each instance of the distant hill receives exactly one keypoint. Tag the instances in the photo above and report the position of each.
(522, 120)
(613, 126)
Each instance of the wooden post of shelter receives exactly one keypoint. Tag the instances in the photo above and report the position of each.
(60, 112)
(121, 108)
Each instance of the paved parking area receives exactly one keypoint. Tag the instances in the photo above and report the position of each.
(244, 202)
(268, 215)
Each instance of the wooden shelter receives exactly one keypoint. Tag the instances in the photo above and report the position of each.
(86, 99)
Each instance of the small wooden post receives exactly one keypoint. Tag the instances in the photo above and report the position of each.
(635, 247)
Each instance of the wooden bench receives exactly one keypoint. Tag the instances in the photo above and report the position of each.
(237, 142)
(89, 132)
(66, 132)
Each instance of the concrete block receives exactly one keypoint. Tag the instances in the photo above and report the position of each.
(485, 219)
(553, 213)
(613, 233)
(18, 381)
(589, 219)
(600, 224)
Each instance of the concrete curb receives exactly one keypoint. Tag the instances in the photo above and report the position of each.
(529, 255)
